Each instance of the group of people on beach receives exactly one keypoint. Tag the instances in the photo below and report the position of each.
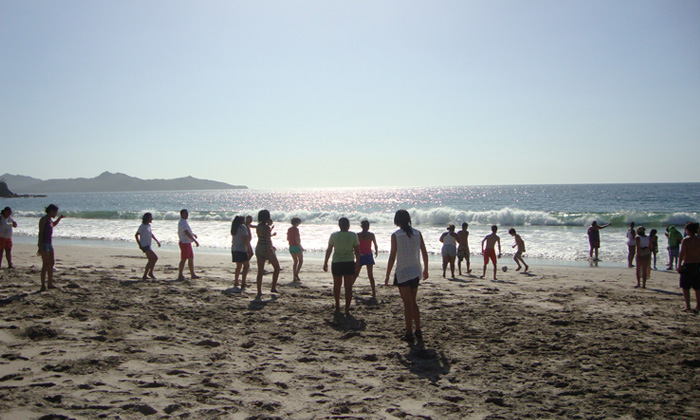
(456, 246)
(683, 250)
(351, 251)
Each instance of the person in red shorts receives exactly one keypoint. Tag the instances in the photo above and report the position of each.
(489, 251)
(6, 225)
(186, 238)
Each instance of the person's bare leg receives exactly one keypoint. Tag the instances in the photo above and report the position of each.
(697, 299)
(153, 258)
(244, 274)
(275, 274)
(686, 298)
(416, 312)
(45, 264)
(239, 267)
(49, 272)
(295, 264)
(8, 254)
(408, 308)
(180, 269)
(337, 284)
(261, 272)
(301, 262)
(190, 264)
(349, 280)
(370, 274)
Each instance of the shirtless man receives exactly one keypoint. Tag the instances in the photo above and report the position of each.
(463, 249)
(489, 252)
(518, 257)
(689, 265)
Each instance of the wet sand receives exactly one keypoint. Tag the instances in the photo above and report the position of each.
(558, 342)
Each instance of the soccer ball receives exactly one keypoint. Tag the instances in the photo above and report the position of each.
(504, 268)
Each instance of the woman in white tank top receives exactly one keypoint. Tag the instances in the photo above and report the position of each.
(643, 257)
(407, 247)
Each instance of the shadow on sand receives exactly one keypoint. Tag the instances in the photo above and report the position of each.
(342, 322)
(424, 362)
(259, 303)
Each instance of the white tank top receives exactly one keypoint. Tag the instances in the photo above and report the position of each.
(407, 256)
(643, 241)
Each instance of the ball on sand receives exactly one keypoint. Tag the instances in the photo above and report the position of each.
(504, 268)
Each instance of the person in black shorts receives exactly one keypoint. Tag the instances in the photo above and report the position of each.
(345, 246)
(689, 265)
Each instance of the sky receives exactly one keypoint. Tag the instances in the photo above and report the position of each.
(305, 94)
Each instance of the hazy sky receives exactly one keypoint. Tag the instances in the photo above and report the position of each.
(280, 94)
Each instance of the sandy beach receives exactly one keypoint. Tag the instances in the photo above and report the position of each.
(558, 342)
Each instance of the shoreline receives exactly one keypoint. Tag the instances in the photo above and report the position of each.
(557, 342)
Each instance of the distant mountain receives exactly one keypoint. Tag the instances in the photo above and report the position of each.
(19, 182)
(110, 182)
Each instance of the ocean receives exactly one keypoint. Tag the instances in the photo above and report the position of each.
(552, 219)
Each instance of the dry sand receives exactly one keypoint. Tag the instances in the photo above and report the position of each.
(559, 342)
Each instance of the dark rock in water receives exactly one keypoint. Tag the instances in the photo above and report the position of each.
(370, 358)
(248, 344)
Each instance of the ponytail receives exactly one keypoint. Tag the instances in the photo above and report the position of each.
(402, 219)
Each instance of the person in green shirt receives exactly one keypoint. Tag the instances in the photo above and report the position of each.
(345, 247)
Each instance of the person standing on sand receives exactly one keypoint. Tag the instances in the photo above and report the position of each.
(45, 243)
(7, 223)
(264, 251)
(186, 238)
(463, 248)
(643, 244)
(518, 257)
(143, 239)
(240, 250)
(594, 238)
(490, 251)
(631, 245)
(345, 246)
(295, 248)
(689, 265)
(449, 241)
(654, 243)
(674, 243)
(407, 247)
(367, 238)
